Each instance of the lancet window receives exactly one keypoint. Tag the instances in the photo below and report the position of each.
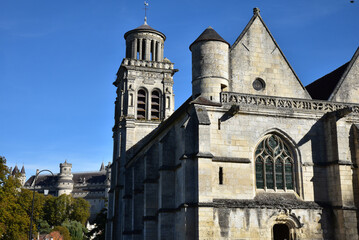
(274, 164)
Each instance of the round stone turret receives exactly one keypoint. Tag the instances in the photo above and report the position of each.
(145, 43)
(210, 67)
(65, 184)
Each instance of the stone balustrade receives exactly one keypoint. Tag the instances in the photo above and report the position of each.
(286, 103)
(145, 63)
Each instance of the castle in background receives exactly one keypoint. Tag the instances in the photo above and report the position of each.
(252, 154)
(92, 186)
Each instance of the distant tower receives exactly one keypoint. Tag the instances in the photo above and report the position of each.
(15, 170)
(65, 184)
(210, 68)
(144, 99)
(22, 176)
(102, 168)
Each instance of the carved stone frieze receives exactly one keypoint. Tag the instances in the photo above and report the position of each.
(286, 103)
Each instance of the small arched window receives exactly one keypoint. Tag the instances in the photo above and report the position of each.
(155, 105)
(274, 164)
(141, 104)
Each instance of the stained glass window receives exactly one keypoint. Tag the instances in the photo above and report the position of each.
(269, 174)
(259, 173)
(289, 174)
(279, 174)
(274, 164)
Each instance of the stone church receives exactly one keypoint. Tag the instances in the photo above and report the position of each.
(252, 153)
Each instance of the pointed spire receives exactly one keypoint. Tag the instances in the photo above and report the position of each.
(102, 167)
(16, 170)
(23, 169)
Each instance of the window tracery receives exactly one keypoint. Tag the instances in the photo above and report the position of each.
(274, 164)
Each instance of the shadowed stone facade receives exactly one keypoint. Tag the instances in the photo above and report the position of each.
(252, 154)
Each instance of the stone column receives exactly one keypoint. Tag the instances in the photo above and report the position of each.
(147, 50)
(153, 50)
(134, 48)
(140, 49)
(161, 54)
(158, 51)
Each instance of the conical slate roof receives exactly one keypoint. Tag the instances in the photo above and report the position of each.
(209, 35)
(16, 170)
(23, 169)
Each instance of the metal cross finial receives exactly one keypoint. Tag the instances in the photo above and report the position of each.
(146, 5)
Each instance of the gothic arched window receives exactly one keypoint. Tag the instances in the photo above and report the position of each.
(155, 105)
(141, 104)
(274, 164)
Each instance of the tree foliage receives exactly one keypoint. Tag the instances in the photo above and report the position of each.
(80, 210)
(76, 229)
(49, 211)
(44, 227)
(14, 223)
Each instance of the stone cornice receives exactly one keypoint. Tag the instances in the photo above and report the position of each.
(293, 104)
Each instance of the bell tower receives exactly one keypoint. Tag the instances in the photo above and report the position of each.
(144, 99)
(144, 84)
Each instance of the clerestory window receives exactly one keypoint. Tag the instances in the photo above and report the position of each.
(274, 164)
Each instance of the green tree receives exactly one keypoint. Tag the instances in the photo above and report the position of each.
(44, 227)
(76, 229)
(25, 201)
(80, 210)
(57, 209)
(14, 220)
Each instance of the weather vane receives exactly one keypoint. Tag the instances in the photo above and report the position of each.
(146, 5)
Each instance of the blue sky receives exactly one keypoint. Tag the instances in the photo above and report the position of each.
(58, 60)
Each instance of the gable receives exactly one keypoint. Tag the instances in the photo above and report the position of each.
(347, 89)
(255, 54)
